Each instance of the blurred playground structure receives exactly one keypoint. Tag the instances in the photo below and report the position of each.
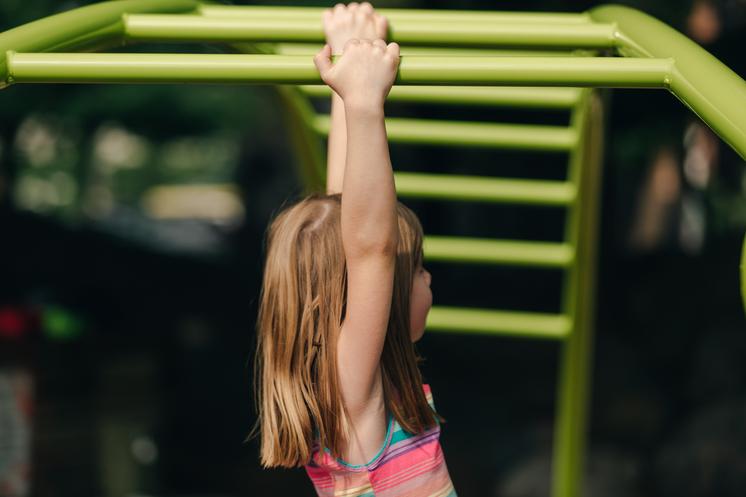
(485, 59)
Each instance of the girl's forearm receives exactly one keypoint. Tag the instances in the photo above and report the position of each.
(368, 195)
(336, 146)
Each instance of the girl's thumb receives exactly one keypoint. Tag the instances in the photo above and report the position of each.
(323, 60)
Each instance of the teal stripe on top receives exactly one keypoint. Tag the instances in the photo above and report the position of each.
(389, 427)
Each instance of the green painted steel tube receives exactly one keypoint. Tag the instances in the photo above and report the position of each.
(506, 252)
(413, 70)
(87, 27)
(743, 273)
(159, 68)
(313, 48)
(484, 189)
(398, 15)
(506, 96)
(537, 71)
(704, 84)
(578, 297)
(569, 441)
(491, 322)
(464, 133)
(410, 32)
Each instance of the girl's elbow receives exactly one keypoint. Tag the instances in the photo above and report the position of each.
(370, 245)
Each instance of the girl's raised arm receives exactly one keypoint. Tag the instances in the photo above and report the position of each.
(363, 77)
(341, 24)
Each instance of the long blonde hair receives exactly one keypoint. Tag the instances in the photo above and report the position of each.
(302, 305)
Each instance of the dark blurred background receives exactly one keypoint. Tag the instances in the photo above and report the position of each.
(132, 220)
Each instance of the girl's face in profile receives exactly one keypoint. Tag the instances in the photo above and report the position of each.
(420, 302)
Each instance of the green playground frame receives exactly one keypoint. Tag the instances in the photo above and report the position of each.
(529, 60)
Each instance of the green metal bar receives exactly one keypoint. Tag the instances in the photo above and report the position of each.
(446, 32)
(398, 15)
(484, 189)
(506, 96)
(313, 48)
(413, 70)
(743, 273)
(458, 133)
(573, 390)
(491, 322)
(506, 252)
(84, 28)
(536, 71)
(704, 84)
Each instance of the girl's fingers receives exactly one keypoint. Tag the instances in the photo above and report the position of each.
(349, 44)
(366, 7)
(382, 25)
(359, 16)
(380, 44)
(393, 49)
(323, 61)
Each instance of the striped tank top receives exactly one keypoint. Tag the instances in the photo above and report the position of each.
(406, 466)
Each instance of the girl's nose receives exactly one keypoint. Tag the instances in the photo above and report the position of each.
(428, 277)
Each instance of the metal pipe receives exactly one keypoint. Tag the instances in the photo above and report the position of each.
(507, 252)
(704, 84)
(484, 189)
(313, 48)
(472, 134)
(410, 32)
(91, 27)
(397, 15)
(413, 70)
(487, 321)
(505, 96)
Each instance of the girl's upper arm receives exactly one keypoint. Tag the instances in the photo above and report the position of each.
(369, 289)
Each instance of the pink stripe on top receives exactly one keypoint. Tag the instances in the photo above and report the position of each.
(406, 466)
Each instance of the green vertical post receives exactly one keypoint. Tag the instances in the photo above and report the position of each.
(743, 273)
(573, 389)
(308, 146)
(299, 115)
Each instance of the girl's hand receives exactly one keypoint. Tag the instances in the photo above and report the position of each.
(363, 75)
(353, 21)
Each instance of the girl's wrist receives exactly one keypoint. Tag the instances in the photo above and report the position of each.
(364, 105)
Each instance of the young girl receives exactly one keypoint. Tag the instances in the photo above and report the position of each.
(345, 296)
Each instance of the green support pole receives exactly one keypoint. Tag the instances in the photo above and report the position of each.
(743, 273)
(578, 304)
(310, 154)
